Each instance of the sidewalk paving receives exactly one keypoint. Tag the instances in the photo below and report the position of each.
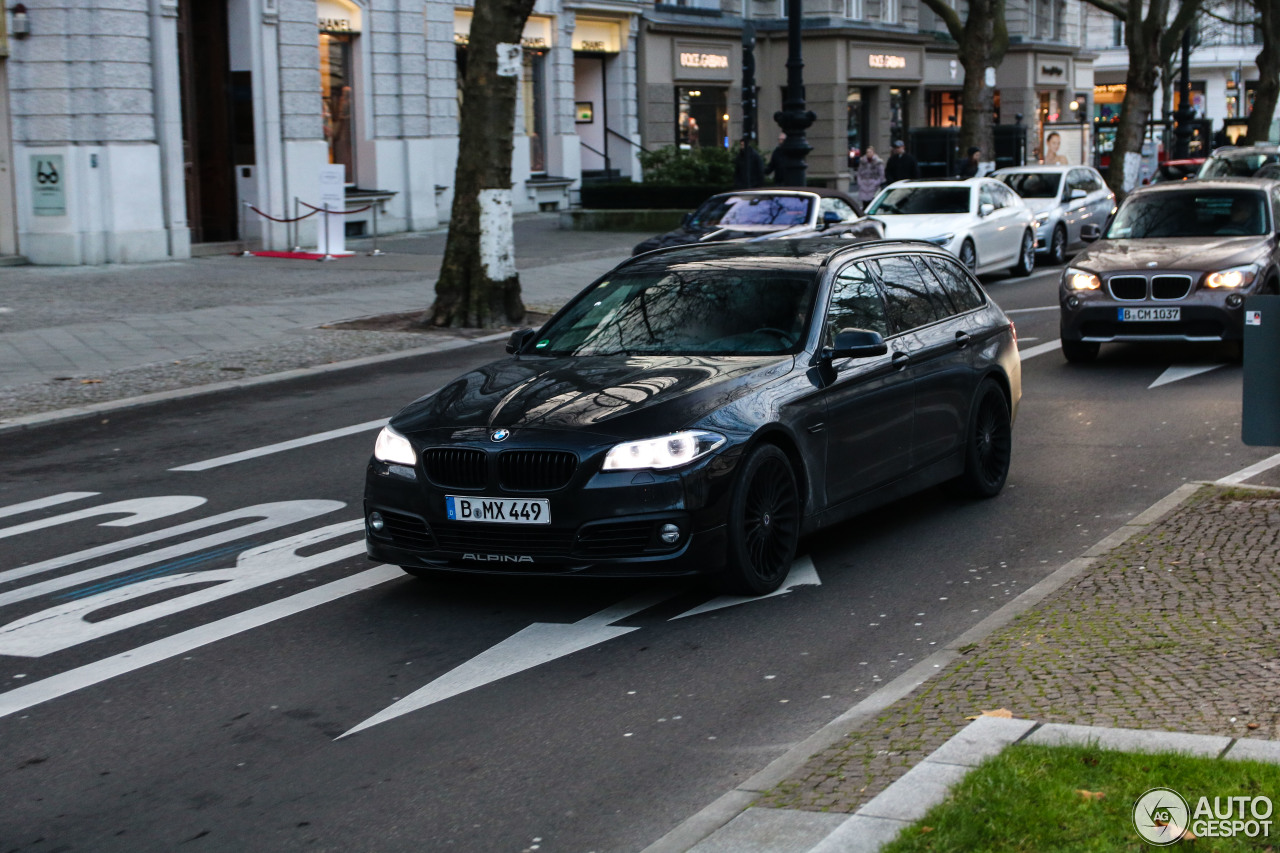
(1169, 625)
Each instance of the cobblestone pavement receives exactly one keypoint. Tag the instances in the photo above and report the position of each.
(1175, 629)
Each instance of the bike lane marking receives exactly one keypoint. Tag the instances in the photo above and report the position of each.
(279, 447)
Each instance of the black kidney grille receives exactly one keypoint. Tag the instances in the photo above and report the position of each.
(407, 530)
(1170, 286)
(466, 537)
(623, 539)
(535, 470)
(456, 467)
(1131, 287)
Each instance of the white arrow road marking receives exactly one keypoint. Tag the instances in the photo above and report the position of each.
(272, 515)
(42, 503)
(269, 449)
(1039, 349)
(540, 643)
(1249, 473)
(1178, 372)
(139, 510)
(95, 673)
(67, 624)
(1030, 310)
(803, 573)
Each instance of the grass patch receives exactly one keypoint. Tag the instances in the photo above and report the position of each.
(1028, 799)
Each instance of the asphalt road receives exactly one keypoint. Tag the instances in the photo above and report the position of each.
(186, 671)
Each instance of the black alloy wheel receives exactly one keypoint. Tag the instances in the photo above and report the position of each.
(988, 445)
(968, 256)
(1080, 352)
(1058, 246)
(1026, 256)
(764, 524)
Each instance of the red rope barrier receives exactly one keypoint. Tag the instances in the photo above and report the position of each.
(273, 219)
(315, 209)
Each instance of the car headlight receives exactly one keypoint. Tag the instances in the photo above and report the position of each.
(1081, 280)
(668, 451)
(1042, 217)
(391, 446)
(1234, 277)
(941, 239)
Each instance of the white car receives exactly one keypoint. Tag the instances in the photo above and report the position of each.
(1064, 199)
(980, 221)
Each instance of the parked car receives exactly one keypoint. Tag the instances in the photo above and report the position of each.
(1178, 170)
(1175, 264)
(697, 409)
(1064, 199)
(1239, 162)
(981, 221)
(779, 212)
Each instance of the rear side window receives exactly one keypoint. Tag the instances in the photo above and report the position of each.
(910, 301)
(856, 303)
(964, 294)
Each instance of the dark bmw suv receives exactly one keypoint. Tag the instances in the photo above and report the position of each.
(697, 410)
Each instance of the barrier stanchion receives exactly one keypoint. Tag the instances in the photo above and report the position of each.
(376, 250)
(244, 236)
(295, 239)
(327, 256)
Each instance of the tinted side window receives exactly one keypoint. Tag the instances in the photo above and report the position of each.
(844, 211)
(909, 301)
(986, 196)
(856, 303)
(964, 294)
(1095, 182)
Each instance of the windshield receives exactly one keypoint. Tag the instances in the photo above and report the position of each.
(1033, 184)
(1236, 165)
(922, 200)
(774, 211)
(1204, 213)
(681, 312)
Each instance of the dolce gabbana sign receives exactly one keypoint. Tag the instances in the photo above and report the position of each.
(702, 62)
(899, 64)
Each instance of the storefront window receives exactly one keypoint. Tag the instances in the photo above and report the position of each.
(1107, 98)
(533, 93)
(337, 97)
(945, 109)
(856, 117)
(1197, 96)
(702, 116)
(899, 110)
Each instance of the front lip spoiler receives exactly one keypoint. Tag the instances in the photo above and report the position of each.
(1195, 339)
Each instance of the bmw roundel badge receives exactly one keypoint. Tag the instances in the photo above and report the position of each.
(500, 435)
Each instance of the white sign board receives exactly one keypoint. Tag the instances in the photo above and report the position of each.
(333, 195)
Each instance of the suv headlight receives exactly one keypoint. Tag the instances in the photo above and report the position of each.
(1080, 279)
(391, 446)
(1234, 277)
(668, 451)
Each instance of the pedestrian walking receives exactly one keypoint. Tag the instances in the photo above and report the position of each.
(748, 167)
(774, 166)
(970, 167)
(901, 166)
(869, 176)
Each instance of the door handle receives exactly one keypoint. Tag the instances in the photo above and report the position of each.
(962, 339)
(900, 360)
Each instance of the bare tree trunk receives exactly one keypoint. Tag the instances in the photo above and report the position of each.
(981, 42)
(1268, 91)
(1135, 111)
(478, 284)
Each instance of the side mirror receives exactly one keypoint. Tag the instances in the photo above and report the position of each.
(986, 210)
(519, 338)
(856, 343)
(830, 217)
(1090, 233)
(1075, 194)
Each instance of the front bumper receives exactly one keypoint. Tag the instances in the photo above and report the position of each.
(604, 524)
(1204, 317)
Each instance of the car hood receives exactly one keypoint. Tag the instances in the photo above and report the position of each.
(921, 226)
(686, 234)
(614, 396)
(1040, 205)
(1195, 253)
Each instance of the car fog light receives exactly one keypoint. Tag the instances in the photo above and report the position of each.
(376, 521)
(669, 533)
(1073, 302)
(1235, 300)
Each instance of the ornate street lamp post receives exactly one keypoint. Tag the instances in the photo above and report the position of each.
(793, 118)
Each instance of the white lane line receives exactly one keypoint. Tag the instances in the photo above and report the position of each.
(42, 503)
(1039, 349)
(88, 675)
(1252, 471)
(1179, 372)
(232, 458)
(1029, 310)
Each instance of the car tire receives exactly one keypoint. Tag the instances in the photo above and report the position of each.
(1058, 246)
(988, 445)
(969, 256)
(1026, 256)
(764, 524)
(1080, 352)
